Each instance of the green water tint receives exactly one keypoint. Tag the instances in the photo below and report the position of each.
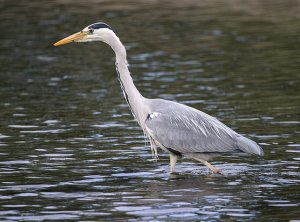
(70, 149)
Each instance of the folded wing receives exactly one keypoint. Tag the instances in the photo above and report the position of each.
(187, 130)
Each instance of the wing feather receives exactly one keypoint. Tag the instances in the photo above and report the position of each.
(187, 130)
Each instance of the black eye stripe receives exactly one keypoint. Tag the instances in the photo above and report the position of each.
(99, 25)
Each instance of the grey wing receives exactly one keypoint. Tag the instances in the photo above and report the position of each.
(185, 130)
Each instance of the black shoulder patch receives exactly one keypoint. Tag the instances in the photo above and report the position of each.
(99, 25)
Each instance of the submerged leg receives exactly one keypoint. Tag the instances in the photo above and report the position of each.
(211, 167)
(173, 160)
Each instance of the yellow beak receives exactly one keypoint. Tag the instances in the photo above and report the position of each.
(75, 37)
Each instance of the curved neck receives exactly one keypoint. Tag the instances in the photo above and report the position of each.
(131, 93)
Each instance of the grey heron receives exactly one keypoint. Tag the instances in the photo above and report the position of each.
(180, 130)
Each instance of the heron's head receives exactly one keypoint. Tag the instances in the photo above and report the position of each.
(95, 32)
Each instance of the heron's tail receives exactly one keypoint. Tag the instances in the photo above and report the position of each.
(249, 146)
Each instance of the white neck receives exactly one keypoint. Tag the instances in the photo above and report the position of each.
(131, 94)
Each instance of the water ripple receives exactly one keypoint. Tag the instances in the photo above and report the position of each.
(70, 149)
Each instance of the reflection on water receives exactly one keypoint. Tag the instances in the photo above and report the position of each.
(70, 150)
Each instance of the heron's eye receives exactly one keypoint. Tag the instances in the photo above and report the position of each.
(91, 31)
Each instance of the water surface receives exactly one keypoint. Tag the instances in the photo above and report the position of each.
(70, 149)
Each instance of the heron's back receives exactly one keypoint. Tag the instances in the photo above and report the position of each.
(187, 130)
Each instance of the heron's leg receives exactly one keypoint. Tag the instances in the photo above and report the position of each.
(173, 160)
(211, 167)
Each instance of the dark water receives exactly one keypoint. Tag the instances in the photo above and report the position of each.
(69, 148)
